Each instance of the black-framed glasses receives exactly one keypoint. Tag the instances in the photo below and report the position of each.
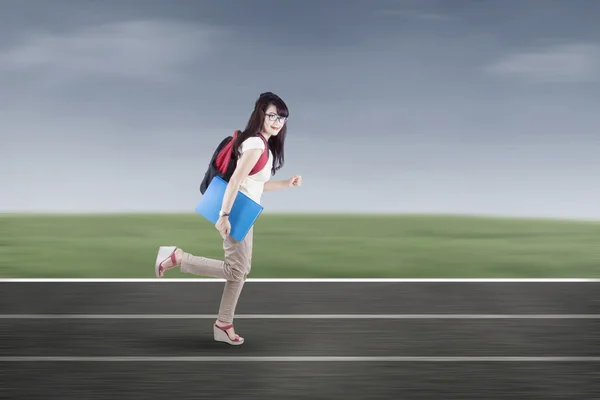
(273, 117)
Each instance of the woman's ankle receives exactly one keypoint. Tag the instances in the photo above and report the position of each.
(178, 257)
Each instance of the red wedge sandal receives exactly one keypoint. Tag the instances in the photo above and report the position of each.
(164, 253)
(221, 335)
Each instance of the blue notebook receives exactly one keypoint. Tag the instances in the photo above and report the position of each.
(243, 214)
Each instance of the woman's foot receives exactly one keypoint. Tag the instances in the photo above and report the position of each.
(168, 257)
(224, 332)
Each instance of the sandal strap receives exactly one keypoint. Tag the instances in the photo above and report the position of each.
(173, 259)
(236, 338)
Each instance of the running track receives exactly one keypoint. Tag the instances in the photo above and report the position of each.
(149, 339)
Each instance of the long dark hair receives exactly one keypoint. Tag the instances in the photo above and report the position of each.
(255, 125)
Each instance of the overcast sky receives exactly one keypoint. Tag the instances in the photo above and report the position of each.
(475, 107)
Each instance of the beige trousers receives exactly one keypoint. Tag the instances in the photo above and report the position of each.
(234, 268)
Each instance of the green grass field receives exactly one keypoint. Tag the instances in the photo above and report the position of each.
(312, 246)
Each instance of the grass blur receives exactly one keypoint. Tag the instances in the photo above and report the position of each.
(124, 246)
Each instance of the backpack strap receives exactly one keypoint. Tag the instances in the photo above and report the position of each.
(264, 157)
(224, 157)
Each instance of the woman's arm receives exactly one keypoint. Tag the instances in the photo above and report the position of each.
(295, 180)
(242, 170)
(275, 185)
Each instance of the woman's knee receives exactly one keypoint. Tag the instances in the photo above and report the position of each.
(236, 271)
(238, 274)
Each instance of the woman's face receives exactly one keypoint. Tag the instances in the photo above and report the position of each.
(273, 122)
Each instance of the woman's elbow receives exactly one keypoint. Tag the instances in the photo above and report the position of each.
(235, 181)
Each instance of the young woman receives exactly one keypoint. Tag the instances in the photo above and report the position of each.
(268, 119)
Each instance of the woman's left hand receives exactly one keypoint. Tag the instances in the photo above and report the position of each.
(294, 181)
(223, 226)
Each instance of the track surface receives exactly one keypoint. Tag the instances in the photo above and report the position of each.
(24, 334)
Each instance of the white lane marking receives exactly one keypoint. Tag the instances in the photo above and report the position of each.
(302, 316)
(292, 359)
(300, 280)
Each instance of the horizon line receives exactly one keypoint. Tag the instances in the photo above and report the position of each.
(305, 213)
(302, 280)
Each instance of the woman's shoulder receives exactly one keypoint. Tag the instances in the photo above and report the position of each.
(253, 142)
(254, 139)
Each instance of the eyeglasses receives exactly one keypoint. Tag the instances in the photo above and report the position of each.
(273, 117)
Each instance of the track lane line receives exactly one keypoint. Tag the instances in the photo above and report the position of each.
(302, 316)
(293, 359)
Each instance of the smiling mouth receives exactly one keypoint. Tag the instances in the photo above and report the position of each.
(275, 128)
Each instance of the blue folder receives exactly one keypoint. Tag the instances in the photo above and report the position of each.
(243, 214)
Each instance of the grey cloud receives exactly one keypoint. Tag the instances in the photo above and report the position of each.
(138, 49)
(564, 63)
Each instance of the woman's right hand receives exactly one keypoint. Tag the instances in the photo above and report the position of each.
(223, 226)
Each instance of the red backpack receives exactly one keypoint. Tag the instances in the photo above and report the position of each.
(222, 165)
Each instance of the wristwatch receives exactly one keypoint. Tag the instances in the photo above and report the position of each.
(223, 214)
